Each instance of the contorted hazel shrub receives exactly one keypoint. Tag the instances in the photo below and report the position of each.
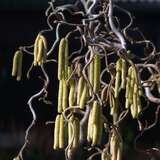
(100, 78)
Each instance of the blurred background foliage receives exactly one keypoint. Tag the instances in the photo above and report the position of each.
(20, 22)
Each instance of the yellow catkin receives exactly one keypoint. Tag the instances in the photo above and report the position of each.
(66, 59)
(119, 151)
(123, 74)
(56, 132)
(83, 97)
(60, 96)
(35, 52)
(113, 105)
(89, 128)
(135, 106)
(61, 55)
(71, 87)
(95, 134)
(118, 77)
(117, 83)
(61, 132)
(42, 50)
(131, 88)
(80, 88)
(113, 146)
(17, 158)
(97, 71)
(96, 111)
(17, 65)
(128, 82)
(127, 87)
(91, 73)
(96, 124)
(19, 71)
(76, 125)
(133, 111)
(72, 93)
(65, 95)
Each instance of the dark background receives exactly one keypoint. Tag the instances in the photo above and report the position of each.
(20, 22)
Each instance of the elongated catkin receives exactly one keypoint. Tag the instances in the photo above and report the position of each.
(19, 71)
(61, 57)
(90, 127)
(118, 77)
(42, 50)
(65, 95)
(61, 132)
(35, 52)
(84, 96)
(17, 65)
(123, 74)
(97, 71)
(66, 59)
(72, 93)
(80, 89)
(60, 96)
(56, 132)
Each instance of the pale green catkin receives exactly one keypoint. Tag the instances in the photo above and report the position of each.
(72, 93)
(80, 89)
(61, 132)
(17, 65)
(60, 96)
(19, 71)
(65, 95)
(66, 59)
(35, 52)
(118, 77)
(91, 73)
(56, 132)
(97, 71)
(117, 83)
(84, 96)
(123, 74)
(42, 50)
(61, 54)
